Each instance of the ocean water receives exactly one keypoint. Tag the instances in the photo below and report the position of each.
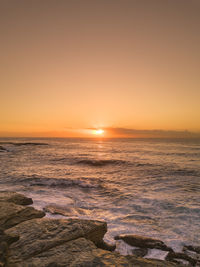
(149, 187)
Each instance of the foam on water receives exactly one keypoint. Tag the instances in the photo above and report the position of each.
(145, 187)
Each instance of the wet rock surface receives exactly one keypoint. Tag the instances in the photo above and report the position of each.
(143, 242)
(176, 257)
(26, 240)
(140, 252)
(104, 245)
(24, 143)
(55, 210)
(2, 149)
(192, 248)
(193, 252)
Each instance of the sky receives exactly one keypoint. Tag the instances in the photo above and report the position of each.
(126, 66)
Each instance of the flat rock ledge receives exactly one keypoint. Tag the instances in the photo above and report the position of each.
(28, 240)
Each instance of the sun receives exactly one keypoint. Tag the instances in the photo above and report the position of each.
(98, 131)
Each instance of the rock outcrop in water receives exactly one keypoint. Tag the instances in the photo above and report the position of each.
(2, 149)
(143, 242)
(24, 143)
(27, 240)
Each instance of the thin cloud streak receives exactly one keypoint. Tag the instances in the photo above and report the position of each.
(126, 132)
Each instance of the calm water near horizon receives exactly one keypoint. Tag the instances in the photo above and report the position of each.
(149, 187)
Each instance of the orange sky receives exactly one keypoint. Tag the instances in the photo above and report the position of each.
(68, 66)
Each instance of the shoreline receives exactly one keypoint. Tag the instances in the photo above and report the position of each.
(28, 238)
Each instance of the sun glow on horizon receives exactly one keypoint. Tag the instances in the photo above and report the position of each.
(98, 131)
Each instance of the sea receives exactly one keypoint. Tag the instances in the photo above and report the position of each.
(148, 187)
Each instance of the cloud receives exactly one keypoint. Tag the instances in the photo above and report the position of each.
(126, 132)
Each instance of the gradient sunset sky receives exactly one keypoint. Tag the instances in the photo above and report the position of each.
(70, 66)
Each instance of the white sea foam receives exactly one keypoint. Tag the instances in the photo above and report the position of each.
(145, 187)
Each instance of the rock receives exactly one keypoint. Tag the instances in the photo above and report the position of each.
(193, 252)
(83, 252)
(3, 253)
(67, 211)
(12, 214)
(71, 242)
(192, 248)
(140, 252)
(5, 241)
(2, 148)
(29, 144)
(143, 242)
(9, 239)
(39, 235)
(175, 256)
(106, 246)
(141, 262)
(66, 254)
(24, 143)
(32, 241)
(14, 197)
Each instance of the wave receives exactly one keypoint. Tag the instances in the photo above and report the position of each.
(100, 163)
(24, 143)
(90, 162)
(183, 172)
(62, 183)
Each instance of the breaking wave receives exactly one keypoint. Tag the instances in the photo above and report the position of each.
(62, 183)
(90, 162)
(100, 163)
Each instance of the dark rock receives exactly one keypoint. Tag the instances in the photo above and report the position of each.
(2, 148)
(12, 214)
(29, 144)
(9, 239)
(140, 252)
(193, 248)
(106, 246)
(173, 256)
(141, 262)
(24, 143)
(14, 197)
(143, 242)
(3, 253)
(193, 252)
(5, 241)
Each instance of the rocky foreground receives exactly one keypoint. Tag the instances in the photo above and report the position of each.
(27, 239)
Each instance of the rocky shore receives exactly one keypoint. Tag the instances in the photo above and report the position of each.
(28, 239)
